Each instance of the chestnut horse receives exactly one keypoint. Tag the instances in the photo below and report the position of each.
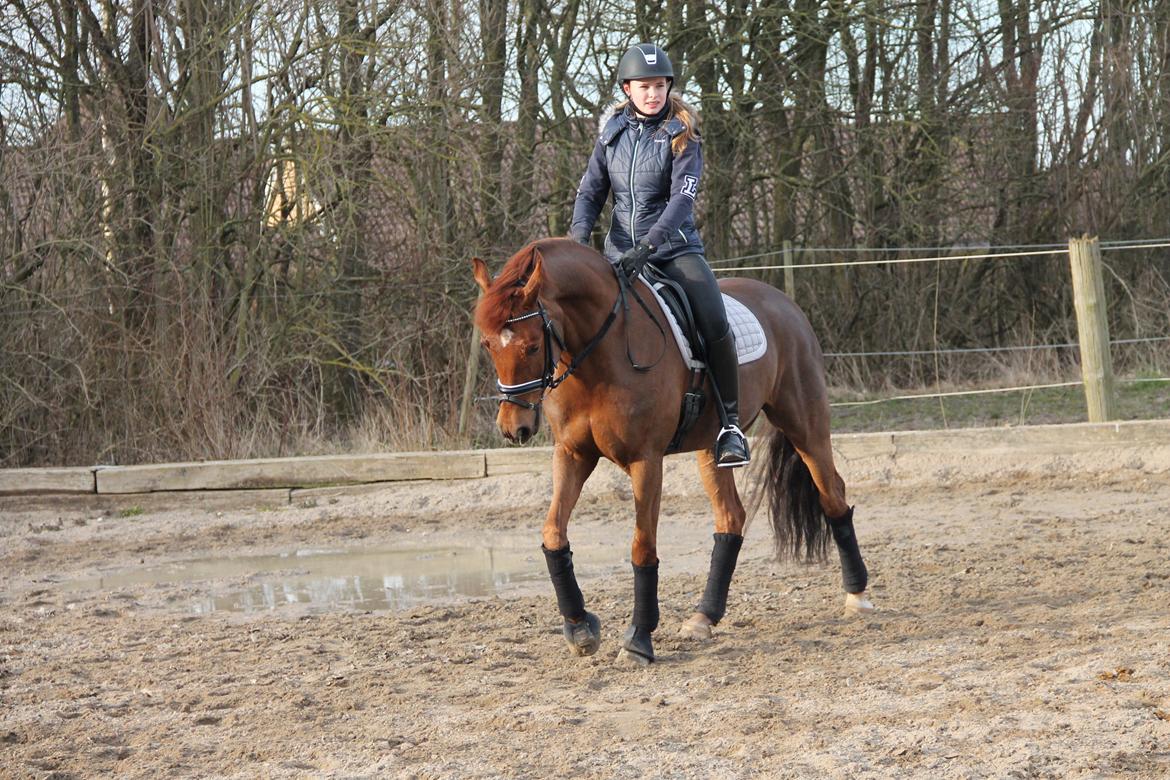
(562, 334)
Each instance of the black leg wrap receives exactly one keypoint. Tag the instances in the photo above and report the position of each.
(637, 640)
(723, 558)
(560, 569)
(854, 577)
(645, 597)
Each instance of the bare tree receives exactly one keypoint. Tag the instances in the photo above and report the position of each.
(242, 228)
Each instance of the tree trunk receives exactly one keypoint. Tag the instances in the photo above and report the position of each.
(522, 199)
(351, 210)
(493, 17)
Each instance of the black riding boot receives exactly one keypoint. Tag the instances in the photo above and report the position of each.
(731, 447)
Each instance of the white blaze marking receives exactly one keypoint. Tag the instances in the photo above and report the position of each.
(506, 336)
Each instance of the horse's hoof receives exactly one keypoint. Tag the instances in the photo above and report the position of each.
(626, 658)
(584, 637)
(697, 626)
(636, 643)
(858, 604)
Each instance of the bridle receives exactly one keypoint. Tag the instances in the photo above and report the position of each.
(549, 380)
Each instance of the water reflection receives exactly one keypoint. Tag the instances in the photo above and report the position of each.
(330, 579)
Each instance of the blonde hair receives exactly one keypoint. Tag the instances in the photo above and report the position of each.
(682, 112)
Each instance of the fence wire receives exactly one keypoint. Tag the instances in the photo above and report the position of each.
(898, 260)
(966, 350)
(975, 253)
(986, 391)
(979, 253)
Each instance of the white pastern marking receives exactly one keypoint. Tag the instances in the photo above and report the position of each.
(506, 336)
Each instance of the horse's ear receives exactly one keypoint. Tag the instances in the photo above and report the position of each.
(535, 280)
(480, 271)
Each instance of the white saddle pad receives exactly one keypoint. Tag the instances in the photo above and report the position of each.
(750, 341)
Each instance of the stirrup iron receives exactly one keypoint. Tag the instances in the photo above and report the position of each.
(734, 452)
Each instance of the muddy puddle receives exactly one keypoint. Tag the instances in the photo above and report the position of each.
(323, 580)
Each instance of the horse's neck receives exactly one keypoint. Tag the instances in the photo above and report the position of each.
(586, 296)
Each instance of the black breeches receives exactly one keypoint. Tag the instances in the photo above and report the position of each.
(697, 281)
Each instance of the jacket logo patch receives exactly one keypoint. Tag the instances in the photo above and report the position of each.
(690, 186)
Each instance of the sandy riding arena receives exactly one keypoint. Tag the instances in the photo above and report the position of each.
(1023, 630)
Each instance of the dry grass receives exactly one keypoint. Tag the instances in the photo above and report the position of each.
(79, 385)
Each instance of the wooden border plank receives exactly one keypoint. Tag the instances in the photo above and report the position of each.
(1037, 439)
(113, 504)
(53, 480)
(518, 461)
(291, 472)
(861, 452)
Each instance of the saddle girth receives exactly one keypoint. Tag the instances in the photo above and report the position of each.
(694, 399)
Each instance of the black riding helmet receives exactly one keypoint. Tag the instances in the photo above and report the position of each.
(644, 61)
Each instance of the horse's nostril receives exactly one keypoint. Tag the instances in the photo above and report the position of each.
(524, 433)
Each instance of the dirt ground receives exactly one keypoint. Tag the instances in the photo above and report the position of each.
(1023, 631)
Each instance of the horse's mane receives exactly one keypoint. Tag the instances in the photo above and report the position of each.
(499, 302)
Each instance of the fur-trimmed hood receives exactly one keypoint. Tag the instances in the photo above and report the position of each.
(614, 109)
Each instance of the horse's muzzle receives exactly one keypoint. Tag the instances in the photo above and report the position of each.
(518, 425)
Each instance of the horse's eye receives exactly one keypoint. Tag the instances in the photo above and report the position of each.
(531, 349)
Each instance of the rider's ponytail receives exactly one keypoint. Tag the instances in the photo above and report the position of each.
(685, 114)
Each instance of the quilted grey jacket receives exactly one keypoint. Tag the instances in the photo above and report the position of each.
(654, 190)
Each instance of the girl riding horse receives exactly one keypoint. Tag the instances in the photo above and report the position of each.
(650, 156)
(546, 320)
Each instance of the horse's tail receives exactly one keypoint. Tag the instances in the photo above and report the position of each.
(794, 505)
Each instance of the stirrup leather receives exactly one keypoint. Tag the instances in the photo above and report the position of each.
(731, 459)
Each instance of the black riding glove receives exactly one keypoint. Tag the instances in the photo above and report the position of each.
(634, 260)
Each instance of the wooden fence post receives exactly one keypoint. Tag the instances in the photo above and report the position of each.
(789, 278)
(1084, 256)
(469, 378)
